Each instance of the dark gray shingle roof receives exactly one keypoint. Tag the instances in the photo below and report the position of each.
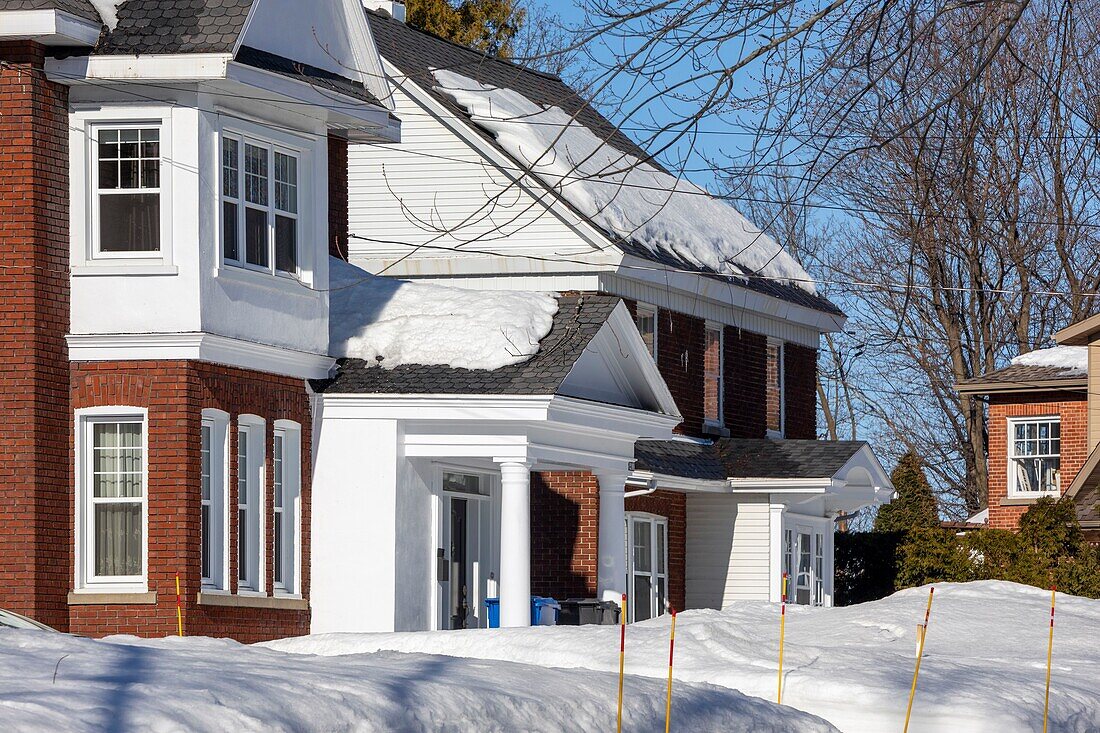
(745, 458)
(1021, 376)
(417, 53)
(79, 8)
(577, 321)
(178, 26)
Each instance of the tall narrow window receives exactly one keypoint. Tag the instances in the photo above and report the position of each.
(774, 377)
(260, 205)
(250, 503)
(127, 196)
(215, 424)
(712, 375)
(819, 569)
(646, 320)
(286, 464)
(1035, 456)
(244, 524)
(114, 500)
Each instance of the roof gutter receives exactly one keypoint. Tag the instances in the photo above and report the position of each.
(978, 388)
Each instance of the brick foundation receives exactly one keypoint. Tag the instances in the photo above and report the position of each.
(34, 287)
(175, 393)
(1070, 406)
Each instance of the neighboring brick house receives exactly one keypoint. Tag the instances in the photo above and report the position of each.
(1038, 428)
(738, 352)
(156, 359)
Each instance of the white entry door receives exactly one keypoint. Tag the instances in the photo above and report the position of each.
(647, 572)
(804, 563)
(466, 559)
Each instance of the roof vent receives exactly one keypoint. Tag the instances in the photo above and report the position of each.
(394, 8)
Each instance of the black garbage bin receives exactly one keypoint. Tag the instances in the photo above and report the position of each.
(581, 611)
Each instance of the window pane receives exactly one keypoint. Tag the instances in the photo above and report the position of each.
(129, 222)
(286, 244)
(255, 237)
(643, 589)
(286, 183)
(712, 367)
(150, 174)
(229, 231)
(206, 540)
(643, 550)
(278, 547)
(277, 465)
(117, 538)
(463, 483)
(230, 171)
(205, 463)
(242, 467)
(242, 546)
(660, 548)
(662, 603)
(255, 174)
(108, 174)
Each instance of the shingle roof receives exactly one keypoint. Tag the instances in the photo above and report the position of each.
(745, 458)
(417, 54)
(1022, 377)
(182, 26)
(304, 72)
(577, 321)
(79, 8)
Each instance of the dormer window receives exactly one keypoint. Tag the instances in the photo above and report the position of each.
(259, 205)
(127, 191)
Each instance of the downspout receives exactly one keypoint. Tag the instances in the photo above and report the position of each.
(648, 486)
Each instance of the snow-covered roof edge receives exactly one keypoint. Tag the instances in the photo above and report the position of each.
(1074, 359)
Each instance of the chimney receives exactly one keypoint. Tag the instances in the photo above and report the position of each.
(393, 8)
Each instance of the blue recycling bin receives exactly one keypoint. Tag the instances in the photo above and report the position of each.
(544, 611)
(492, 608)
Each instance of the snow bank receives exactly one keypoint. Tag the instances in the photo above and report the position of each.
(984, 667)
(55, 682)
(1075, 358)
(396, 322)
(623, 195)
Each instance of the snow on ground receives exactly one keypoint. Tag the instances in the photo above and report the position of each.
(623, 195)
(1075, 358)
(420, 323)
(984, 665)
(56, 682)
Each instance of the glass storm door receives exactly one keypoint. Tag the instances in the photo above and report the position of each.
(465, 555)
(647, 576)
(803, 578)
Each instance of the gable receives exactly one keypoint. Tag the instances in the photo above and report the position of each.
(616, 368)
(331, 35)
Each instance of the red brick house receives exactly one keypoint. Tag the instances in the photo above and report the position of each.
(1043, 428)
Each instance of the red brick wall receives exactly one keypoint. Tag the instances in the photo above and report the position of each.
(672, 506)
(338, 197)
(746, 383)
(1071, 407)
(800, 391)
(34, 288)
(680, 355)
(565, 533)
(175, 393)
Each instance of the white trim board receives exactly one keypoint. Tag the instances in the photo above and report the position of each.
(199, 346)
(48, 27)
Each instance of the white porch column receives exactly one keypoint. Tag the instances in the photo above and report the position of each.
(515, 544)
(611, 571)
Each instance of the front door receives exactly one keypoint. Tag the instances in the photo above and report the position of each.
(647, 576)
(466, 555)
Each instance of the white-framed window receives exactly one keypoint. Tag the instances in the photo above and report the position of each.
(645, 318)
(213, 505)
(1034, 456)
(807, 560)
(647, 574)
(112, 499)
(260, 204)
(287, 468)
(775, 389)
(128, 212)
(250, 503)
(713, 378)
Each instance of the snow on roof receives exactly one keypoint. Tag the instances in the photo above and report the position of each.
(108, 11)
(398, 322)
(623, 195)
(1075, 358)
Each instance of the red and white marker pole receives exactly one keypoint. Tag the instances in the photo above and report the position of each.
(671, 649)
(782, 630)
(1050, 657)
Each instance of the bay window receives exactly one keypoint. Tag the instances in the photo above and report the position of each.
(260, 205)
(1034, 456)
(127, 190)
(286, 466)
(112, 498)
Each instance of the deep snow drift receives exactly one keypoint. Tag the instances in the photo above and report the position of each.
(983, 670)
(622, 194)
(407, 322)
(1072, 358)
(55, 682)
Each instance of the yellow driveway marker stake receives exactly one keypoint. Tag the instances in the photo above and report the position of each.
(920, 653)
(1050, 654)
(782, 629)
(622, 662)
(671, 647)
(179, 610)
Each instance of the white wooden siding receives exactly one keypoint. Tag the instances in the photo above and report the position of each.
(433, 181)
(728, 549)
